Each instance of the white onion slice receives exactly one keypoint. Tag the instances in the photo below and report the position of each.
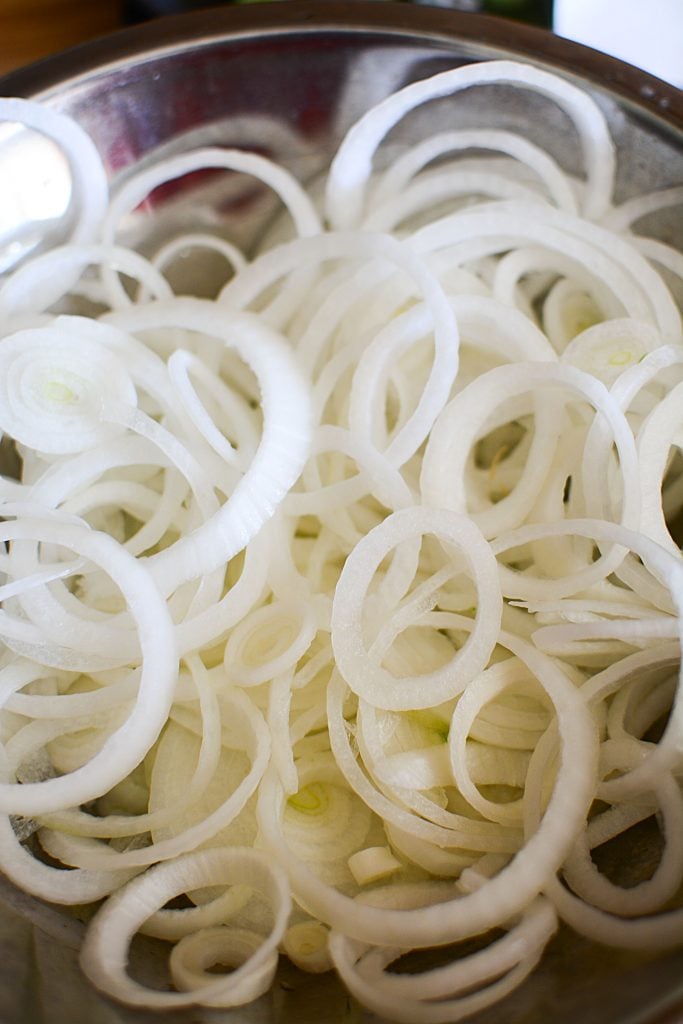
(89, 181)
(351, 166)
(281, 453)
(371, 680)
(104, 952)
(128, 745)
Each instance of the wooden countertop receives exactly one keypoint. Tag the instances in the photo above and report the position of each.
(30, 29)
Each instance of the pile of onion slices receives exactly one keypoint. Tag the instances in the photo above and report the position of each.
(341, 612)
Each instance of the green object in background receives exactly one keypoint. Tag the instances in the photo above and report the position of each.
(539, 12)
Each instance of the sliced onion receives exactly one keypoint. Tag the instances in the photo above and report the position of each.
(104, 952)
(404, 499)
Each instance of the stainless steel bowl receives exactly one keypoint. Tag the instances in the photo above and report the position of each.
(289, 79)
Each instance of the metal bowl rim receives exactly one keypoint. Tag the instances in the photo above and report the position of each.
(152, 40)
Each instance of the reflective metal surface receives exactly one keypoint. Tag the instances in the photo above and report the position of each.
(289, 79)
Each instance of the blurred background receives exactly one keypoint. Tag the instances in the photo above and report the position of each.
(647, 33)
